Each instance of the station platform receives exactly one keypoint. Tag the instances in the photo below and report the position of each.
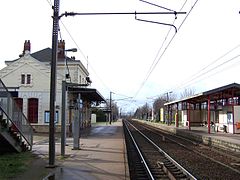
(102, 155)
(225, 141)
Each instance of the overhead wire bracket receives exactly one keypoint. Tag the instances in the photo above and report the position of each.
(166, 24)
(149, 21)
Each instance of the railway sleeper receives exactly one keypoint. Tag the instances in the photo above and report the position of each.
(172, 171)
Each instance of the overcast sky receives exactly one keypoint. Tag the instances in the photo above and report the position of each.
(121, 51)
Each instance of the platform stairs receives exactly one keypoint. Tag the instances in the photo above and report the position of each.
(16, 133)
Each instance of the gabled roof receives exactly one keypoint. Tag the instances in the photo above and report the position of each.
(45, 55)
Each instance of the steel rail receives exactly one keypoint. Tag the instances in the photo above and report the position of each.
(166, 155)
(195, 151)
(140, 154)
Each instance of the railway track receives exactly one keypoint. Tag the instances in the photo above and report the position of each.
(229, 159)
(147, 160)
(202, 161)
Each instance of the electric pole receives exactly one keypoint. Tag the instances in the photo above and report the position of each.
(110, 104)
(53, 84)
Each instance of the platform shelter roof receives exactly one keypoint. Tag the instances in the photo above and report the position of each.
(224, 92)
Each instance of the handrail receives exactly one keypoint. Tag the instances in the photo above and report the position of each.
(15, 118)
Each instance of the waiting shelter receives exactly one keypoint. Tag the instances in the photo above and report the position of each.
(216, 110)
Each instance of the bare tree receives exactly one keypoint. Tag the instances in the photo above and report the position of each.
(159, 103)
(187, 92)
(143, 112)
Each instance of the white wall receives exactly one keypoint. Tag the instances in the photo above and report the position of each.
(236, 118)
(184, 117)
(93, 118)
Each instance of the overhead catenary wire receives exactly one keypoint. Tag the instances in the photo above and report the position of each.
(210, 70)
(201, 71)
(203, 75)
(79, 49)
(49, 2)
(157, 5)
(117, 13)
(148, 75)
(85, 57)
(165, 39)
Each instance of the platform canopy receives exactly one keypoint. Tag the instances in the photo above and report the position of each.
(224, 92)
(88, 94)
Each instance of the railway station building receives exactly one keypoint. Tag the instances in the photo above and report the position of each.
(28, 80)
(216, 110)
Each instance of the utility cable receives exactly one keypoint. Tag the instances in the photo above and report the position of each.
(165, 39)
(49, 2)
(86, 59)
(143, 83)
(200, 75)
(193, 77)
(157, 5)
(196, 79)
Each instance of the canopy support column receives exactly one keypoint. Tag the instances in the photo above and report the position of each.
(209, 116)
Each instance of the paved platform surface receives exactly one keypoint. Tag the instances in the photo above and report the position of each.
(102, 155)
(222, 140)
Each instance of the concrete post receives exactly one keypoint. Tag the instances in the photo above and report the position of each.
(76, 125)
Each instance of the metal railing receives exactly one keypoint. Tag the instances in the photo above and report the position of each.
(14, 117)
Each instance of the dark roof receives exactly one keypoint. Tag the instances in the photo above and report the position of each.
(87, 93)
(224, 92)
(225, 89)
(45, 55)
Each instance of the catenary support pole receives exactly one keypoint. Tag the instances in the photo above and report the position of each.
(188, 116)
(63, 123)
(177, 117)
(110, 104)
(53, 83)
(209, 116)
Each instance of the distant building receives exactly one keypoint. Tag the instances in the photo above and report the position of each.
(28, 79)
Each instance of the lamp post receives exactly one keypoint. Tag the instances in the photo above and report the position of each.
(71, 50)
(67, 75)
(63, 123)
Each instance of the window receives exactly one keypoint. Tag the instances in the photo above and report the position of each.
(47, 117)
(28, 78)
(23, 79)
(33, 110)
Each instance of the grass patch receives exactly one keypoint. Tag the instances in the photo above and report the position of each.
(13, 164)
